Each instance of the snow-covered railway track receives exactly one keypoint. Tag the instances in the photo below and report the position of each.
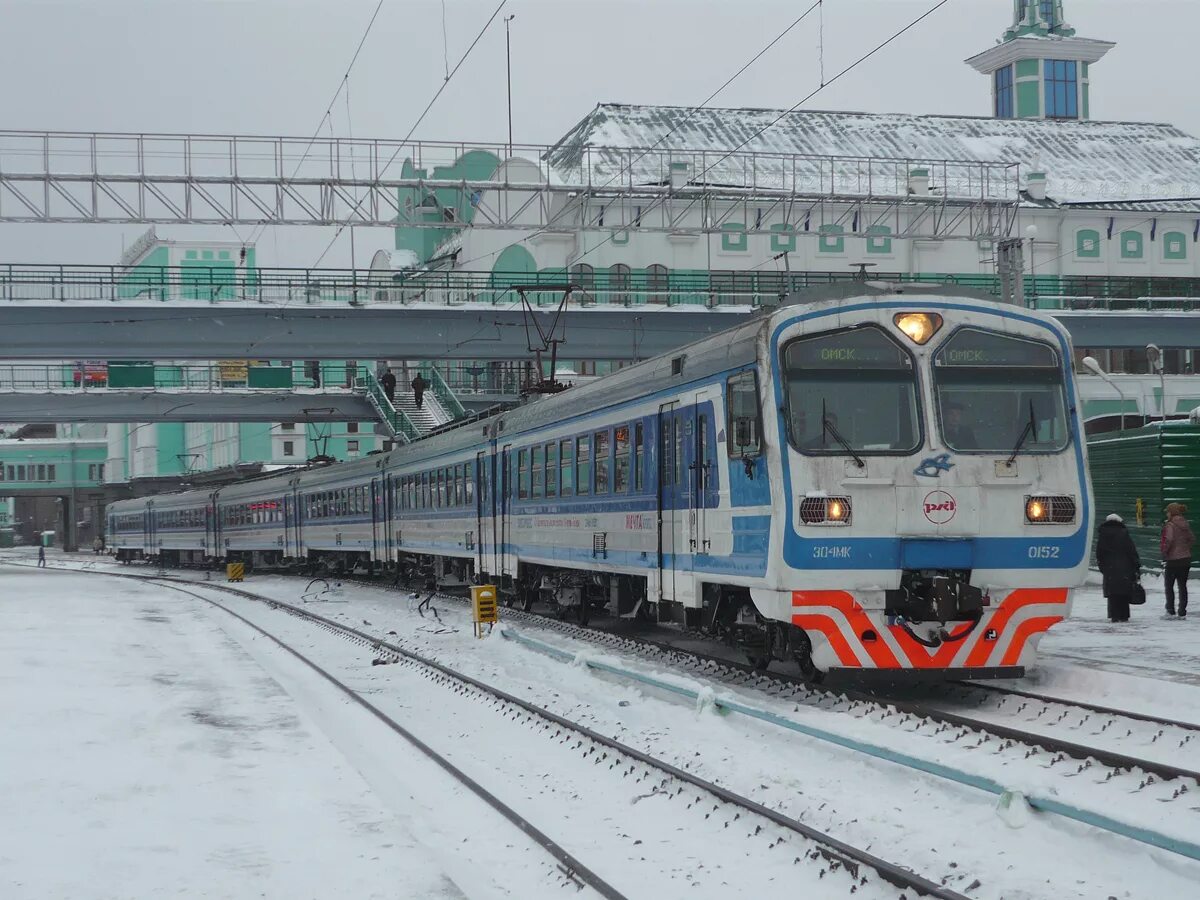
(829, 852)
(977, 689)
(1116, 748)
(572, 868)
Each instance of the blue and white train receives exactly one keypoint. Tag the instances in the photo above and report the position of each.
(889, 480)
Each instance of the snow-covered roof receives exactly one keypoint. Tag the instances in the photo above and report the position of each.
(1085, 162)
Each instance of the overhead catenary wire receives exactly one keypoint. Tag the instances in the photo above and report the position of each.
(343, 84)
(779, 118)
(416, 124)
(775, 121)
(687, 116)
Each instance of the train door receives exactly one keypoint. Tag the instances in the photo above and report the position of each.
(483, 548)
(388, 510)
(148, 530)
(700, 458)
(211, 527)
(507, 557)
(289, 526)
(668, 498)
(375, 501)
(297, 522)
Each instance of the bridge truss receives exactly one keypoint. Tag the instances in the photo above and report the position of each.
(90, 177)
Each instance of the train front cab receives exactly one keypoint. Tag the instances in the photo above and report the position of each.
(934, 495)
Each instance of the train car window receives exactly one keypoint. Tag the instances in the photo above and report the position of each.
(522, 474)
(998, 391)
(552, 469)
(583, 466)
(469, 484)
(666, 454)
(566, 463)
(639, 437)
(537, 465)
(603, 463)
(701, 454)
(460, 484)
(743, 421)
(853, 390)
(677, 443)
(621, 459)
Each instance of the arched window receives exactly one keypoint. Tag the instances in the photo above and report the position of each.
(1174, 245)
(583, 276)
(618, 283)
(658, 284)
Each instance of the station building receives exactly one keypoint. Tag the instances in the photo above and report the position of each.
(1107, 212)
(154, 269)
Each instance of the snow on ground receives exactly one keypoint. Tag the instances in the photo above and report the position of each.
(1149, 664)
(939, 829)
(145, 754)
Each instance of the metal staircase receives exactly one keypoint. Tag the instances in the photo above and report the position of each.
(403, 419)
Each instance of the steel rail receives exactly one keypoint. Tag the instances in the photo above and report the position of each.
(1082, 704)
(1081, 752)
(574, 868)
(847, 854)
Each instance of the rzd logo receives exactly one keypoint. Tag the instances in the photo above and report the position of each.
(940, 507)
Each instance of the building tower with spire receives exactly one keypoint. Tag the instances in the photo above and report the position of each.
(1039, 69)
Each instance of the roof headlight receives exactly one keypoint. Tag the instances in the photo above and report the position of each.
(918, 327)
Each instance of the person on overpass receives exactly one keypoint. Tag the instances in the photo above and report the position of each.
(388, 380)
(419, 386)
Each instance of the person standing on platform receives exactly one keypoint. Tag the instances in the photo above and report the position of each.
(388, 380)
(41, 556)
(419, 386)
(1177, 540)
(1120, 565)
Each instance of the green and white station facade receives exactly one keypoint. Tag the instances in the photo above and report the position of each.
(1098, 203)
(153, 269)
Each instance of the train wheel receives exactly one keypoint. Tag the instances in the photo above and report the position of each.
(802, 654)
(759, 662)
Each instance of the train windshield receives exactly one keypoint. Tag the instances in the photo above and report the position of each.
(851, 391)
(1000, 394)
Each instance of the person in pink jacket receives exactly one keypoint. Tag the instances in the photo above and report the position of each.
(1177, 540)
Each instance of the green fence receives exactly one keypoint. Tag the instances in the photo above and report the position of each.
(1136, 473)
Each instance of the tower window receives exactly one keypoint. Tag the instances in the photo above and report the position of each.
(1004, 93)
(1062, 100)
(1047, 11)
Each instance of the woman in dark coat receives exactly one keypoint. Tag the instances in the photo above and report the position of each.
(1119, 564)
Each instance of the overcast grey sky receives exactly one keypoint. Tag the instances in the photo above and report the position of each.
(270, 67)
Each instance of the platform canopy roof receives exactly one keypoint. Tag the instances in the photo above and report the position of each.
(1101, 164)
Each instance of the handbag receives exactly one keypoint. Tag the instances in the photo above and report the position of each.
(1138, 596)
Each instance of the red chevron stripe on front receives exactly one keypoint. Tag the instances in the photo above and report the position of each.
(856, 619)
(917, 654)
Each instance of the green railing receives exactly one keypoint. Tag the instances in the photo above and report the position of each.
(205, 377)
(617, 285)
(442, 391)
(400, 424)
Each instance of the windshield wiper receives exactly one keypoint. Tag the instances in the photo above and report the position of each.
(1029, 429)
(828, 426)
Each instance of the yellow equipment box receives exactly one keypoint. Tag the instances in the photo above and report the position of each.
(484, 608)
(235, 572)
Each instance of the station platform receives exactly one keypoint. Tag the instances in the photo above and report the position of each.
(145, 753)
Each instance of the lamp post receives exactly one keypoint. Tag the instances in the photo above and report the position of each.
(1155, 356)
(508, 76)
(1089, 363)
